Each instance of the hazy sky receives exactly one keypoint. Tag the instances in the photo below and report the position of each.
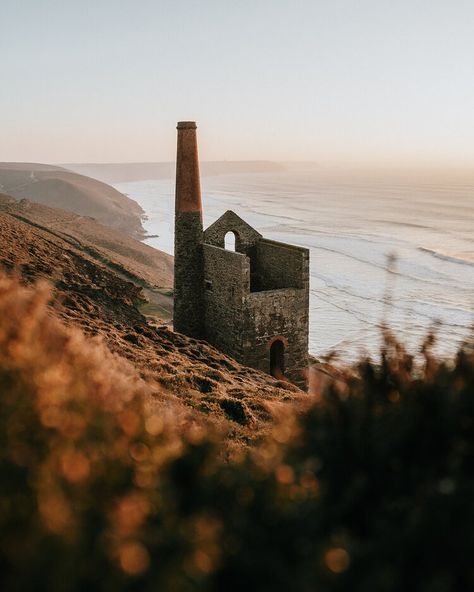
(333, 80)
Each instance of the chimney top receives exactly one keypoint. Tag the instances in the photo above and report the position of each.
(188, 187)
(186, 125)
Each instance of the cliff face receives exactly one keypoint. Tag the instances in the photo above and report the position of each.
(60, 188)
(92, 296)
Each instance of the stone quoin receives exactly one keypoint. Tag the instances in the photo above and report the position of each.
(251, 303)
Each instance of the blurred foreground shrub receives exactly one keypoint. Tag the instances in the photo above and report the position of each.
(369, 488)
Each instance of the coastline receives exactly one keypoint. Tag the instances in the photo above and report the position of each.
(348, 254)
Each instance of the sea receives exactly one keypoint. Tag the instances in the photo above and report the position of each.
(389, 250)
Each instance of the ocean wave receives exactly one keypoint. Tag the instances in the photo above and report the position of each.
(441, 279)
(448, 257)
(395, 306)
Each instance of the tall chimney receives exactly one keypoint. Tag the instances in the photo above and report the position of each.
(188, 312)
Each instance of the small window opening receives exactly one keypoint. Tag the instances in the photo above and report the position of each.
(208, 285)
(229, 241)
(277, 359)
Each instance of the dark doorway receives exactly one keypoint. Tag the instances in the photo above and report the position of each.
(277, 359)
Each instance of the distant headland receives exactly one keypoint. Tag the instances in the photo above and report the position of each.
(143, 171)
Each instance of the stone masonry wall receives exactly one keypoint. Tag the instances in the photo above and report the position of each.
(244, 323)
(277, 265)
(226, 282)
(245, 235)
(188, 315)
(272, 314)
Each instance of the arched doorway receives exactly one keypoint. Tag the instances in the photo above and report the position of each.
(277, 359)
(230, 240)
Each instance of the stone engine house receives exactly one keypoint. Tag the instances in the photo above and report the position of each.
(252, 302)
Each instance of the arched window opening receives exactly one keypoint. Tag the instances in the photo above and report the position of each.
(277, 359)
(229, 241)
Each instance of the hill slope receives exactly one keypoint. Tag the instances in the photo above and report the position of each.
(101, 302)
(127, 255)
(60, 188)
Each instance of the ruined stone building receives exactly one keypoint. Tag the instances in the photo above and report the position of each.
(252, 302)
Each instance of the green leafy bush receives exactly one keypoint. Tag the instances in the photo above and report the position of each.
(370, 487)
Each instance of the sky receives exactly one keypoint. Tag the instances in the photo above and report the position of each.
(336, 81)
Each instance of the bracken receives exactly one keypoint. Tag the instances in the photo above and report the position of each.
(370, 487)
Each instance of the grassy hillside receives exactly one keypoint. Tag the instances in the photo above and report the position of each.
(147, 265)
(109, 483)
(58, 187)
(92, 296)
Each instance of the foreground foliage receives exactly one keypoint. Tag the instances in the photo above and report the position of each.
(369, 488)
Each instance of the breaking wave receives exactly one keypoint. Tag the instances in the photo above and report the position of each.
(447, 257)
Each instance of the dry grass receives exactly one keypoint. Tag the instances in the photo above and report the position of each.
(93, 298)
(369, 488)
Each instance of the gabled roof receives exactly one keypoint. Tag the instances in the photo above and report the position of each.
(230, 222)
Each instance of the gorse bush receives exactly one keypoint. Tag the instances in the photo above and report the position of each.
(370, 487)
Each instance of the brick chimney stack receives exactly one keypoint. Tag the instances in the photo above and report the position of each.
(188, 186)
(188, 256)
